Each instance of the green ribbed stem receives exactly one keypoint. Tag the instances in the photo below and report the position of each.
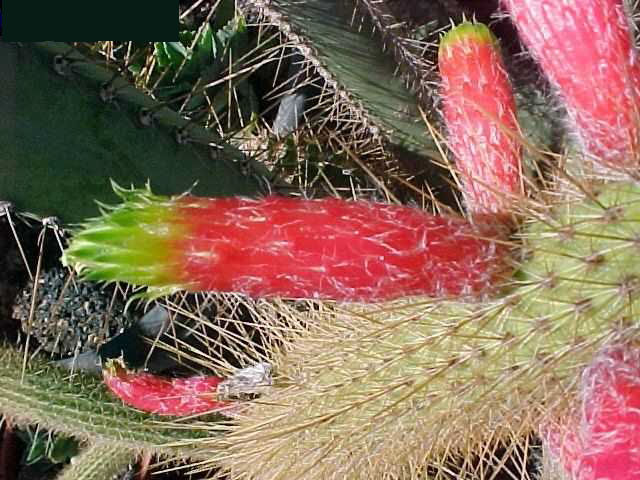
(61, 142)
(100, 461)
(353, 62)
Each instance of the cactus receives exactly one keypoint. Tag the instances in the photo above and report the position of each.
(416, 387)
(404, 380)
(389, 391)
(61, 144)
(420, 387)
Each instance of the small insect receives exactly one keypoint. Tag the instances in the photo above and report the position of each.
(246, 383)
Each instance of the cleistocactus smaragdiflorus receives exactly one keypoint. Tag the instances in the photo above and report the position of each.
(423, 385)
(389, 391)
(403, 381)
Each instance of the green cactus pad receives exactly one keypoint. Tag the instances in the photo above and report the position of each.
(61, 143)
(585, 266)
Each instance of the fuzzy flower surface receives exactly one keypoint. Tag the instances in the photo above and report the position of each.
(286, 247)
(586, 50)
(602, 440)
(480, 114)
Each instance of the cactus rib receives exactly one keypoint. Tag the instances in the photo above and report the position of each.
(83, 141)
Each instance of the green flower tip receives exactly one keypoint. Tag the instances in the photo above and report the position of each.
(129, 241)
(466, 32)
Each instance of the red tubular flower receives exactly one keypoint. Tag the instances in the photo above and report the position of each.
(586, 50)
(480, 113)
(287, 247)
(163, 396)
(602, 440)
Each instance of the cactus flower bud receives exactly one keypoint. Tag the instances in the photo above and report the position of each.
(286, 247)
(163, 396)
(480, 114)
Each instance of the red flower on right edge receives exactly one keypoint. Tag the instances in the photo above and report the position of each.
(602, 440)
(585, 49)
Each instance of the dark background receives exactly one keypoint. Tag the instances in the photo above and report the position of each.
(74, 20)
